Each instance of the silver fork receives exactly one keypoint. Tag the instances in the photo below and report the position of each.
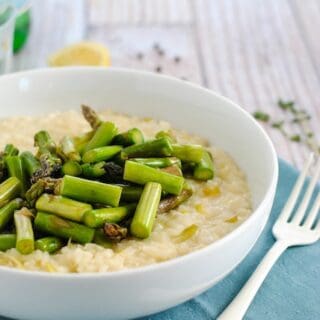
(300, 229)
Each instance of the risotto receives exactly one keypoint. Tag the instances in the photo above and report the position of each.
(216, 207)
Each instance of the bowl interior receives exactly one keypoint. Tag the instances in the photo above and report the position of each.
(186, 106)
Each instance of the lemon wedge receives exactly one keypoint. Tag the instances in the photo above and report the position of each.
(81, 54)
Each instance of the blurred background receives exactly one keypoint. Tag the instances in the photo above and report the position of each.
(264, 55)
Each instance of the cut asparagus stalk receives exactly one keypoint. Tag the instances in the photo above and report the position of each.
(100, 154)
(101, 239)
(98, 217)
(10, 150)
(44, 142)
(188, 152)
(49, 244)
(9, 189)
(175, 170)
(131, 193)
(25, 236)
(63, 207)
(63, 228)
(68, 150)
(38, 188)
(16, 169)
(166, 134)
(7, 241)
(89, 191)
(128, 138)
(141, 174)
(153, 148)
(91, 116)
(6, 212)
(80, 142)
(72, 168)
(158, 162)
(30, 163)
(204, 170)
(93, 171)
(114, 232)
(145, 214)
(102, 137)
(172, 202)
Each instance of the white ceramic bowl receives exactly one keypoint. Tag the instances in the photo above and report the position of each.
(142, 291)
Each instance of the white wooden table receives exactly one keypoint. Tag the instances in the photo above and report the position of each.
(252, 51)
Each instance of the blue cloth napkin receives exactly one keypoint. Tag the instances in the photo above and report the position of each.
(291, 290)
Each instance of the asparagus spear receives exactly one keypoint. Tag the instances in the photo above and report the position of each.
(144, 217)
(100, 239)
(25, 236)
(100, 154)
(91, 116)
(158, 162)
(63, 228)
(38, 188)
(153, 148)
(30, 163)
(172, 202)
(131, 193)
(44, 142)
(128, 138)
(204, 170)
(9, 150)
(98, 217)
(9, 189)
(175, 170)
(93, 171)
(63, 207)
(166, 134)
(7, 241)
(72, 168)
(89, 191)
(114, 232)
(141, 174)
(6, 212)
(16, 169)
(80, 142)
(49, 244)
(188, 152)
(68, 150)
(102, 137)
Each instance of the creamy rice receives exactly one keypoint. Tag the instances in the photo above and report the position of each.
(217, 206)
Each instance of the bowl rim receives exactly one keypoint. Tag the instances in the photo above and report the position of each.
(174, 261)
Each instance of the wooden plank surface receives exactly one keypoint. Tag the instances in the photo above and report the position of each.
(252, 51)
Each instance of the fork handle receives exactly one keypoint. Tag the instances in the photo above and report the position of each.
(239, 305)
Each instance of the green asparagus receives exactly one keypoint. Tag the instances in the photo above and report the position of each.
(93, 171)
(63, 228)
(44, 142)
(25, 236)
(72, 168)
(9, 189)
(68, 150)
(91, 116)
(30, 163)
(6, 212)
(204, 170)
(158, 162)
(131, 193)
(63, 207)
(98, 217)
(102, 137)
(100, 154)
(80, 142)
(153, 148)
(175, 170)
(145, 214)
(100, 239)
(7, 241)
(16, 169)
(128, 138)
(89, 191)
(49, 244)
(166, 134)
(188, 152)
(141, 174)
